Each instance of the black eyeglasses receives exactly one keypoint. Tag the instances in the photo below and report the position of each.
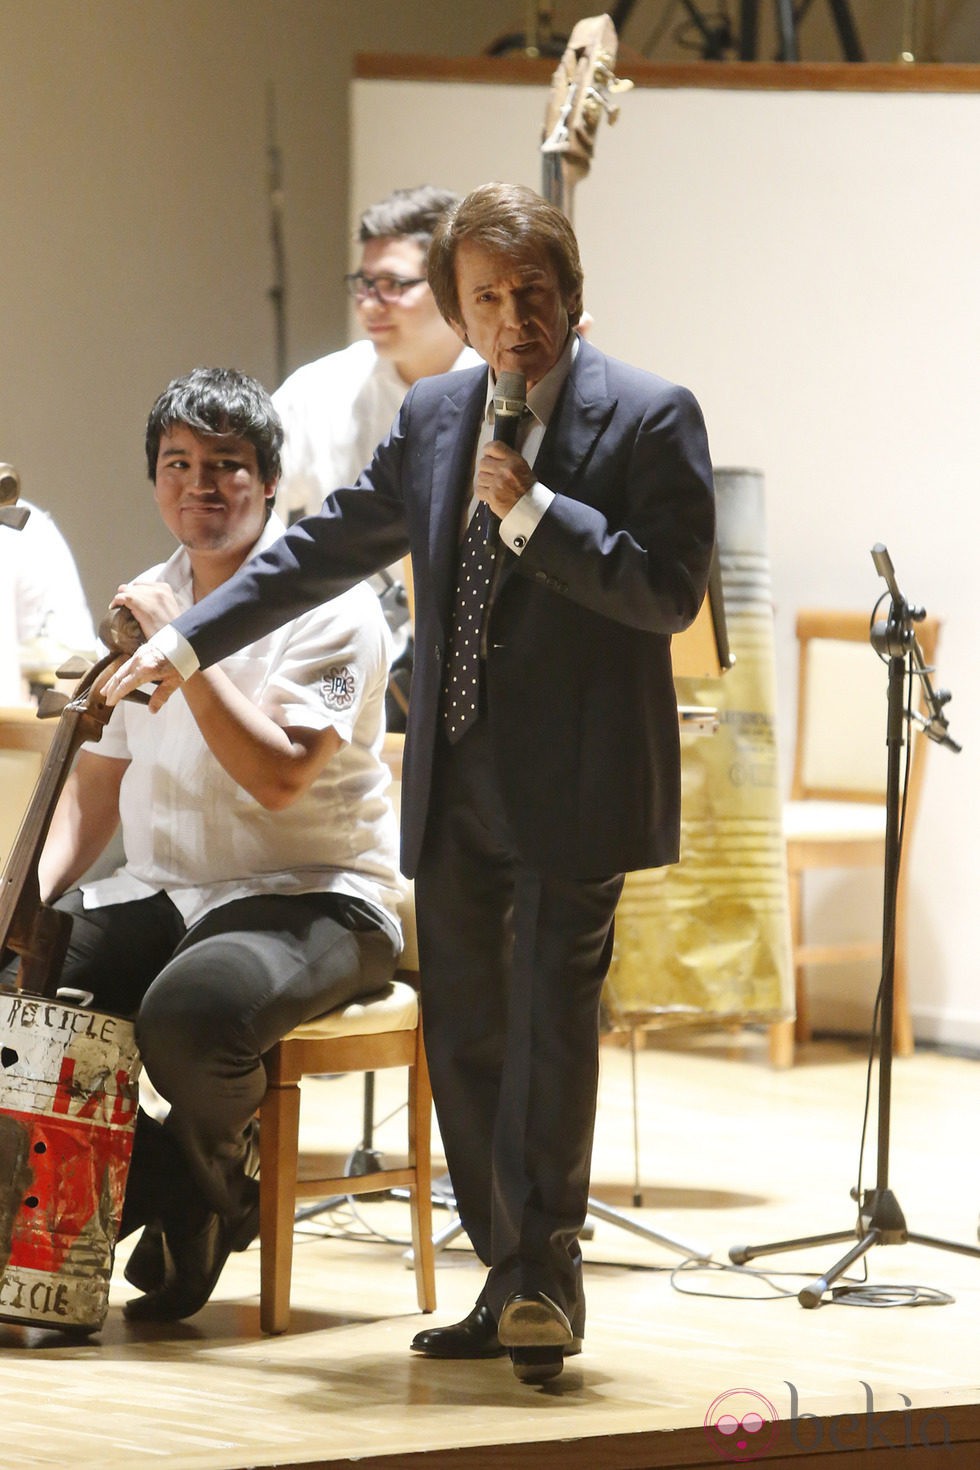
(383, 288)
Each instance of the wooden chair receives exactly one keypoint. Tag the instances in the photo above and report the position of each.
(366, 1036)
(835, 816)
(24, 742)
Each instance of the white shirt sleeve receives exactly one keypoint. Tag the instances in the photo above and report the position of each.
(175, 647)
(522, 520)
(327, 664)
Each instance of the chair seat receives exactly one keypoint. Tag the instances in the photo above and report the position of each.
(396, 1008)
(833, 821)
(378, 1031)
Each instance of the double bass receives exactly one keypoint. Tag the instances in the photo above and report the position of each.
(68, 1074)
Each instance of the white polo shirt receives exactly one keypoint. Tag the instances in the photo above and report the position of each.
(335, 413)
(191, 831)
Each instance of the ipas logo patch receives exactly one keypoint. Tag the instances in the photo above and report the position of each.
(338, 687)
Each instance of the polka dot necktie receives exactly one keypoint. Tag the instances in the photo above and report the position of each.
(461, 691)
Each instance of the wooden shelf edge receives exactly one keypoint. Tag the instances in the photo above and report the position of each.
(516, 69)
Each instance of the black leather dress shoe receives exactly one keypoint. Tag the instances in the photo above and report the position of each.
(474, 1337)
(193, 1261)
(538, 1335)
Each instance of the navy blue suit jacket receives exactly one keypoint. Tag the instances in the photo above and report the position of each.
(580, 693)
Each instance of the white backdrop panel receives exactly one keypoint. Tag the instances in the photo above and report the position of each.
(807, 263)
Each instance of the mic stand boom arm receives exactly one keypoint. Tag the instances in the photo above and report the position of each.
(898, 636)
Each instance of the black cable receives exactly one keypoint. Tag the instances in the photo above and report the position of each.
(746, 1273)
(882, 1295)
(849, 1294)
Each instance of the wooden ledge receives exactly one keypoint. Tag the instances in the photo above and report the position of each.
(519, 70)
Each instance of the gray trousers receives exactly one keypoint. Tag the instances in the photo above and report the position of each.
(208, 1002)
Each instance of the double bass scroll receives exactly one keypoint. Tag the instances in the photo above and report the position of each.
(583, 87)
(33, 930)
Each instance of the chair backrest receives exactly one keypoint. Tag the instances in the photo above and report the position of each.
(841, 709)
(24, 741)
(20, 729)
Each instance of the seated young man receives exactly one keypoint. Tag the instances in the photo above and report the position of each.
(260, 884)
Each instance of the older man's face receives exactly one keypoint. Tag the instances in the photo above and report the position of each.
(512, 311)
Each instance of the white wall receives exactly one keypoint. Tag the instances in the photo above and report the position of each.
(807, 263)
(135, 222)
(135, 244)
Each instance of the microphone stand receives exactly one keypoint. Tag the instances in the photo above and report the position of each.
(880, 1219)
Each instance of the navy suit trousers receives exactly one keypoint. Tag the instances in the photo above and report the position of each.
(512, 963)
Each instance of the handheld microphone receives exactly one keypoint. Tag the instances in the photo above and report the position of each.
(509, 403)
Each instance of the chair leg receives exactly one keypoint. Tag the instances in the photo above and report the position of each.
(781, 1044)
(420, 1159)
(278, 1168)
(803, 1030)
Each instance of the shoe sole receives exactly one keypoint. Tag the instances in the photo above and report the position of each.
(537, 1365)
(534, 1324)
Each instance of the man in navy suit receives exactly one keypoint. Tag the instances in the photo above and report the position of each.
(541, 763)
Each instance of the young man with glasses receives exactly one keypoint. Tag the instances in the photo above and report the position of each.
(335, 411)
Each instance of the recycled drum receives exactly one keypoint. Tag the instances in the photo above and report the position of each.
(707, 941)
(68, 1100)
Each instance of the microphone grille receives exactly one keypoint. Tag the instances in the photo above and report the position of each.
(510, 394)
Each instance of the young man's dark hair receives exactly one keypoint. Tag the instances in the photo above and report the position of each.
(218, 401)
(407, 214)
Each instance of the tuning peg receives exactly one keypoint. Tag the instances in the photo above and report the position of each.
(600, 96)
(51, 704)
(73, 669)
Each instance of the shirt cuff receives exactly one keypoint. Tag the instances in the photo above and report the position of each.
(174, 646)
(522, 520)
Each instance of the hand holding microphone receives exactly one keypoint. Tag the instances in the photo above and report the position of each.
(509, 404)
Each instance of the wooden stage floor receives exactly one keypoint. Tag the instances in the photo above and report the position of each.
(733, 1153)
